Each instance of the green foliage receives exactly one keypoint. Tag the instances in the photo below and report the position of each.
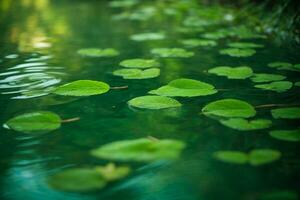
(137, 73)
(229, 108)
(284, 66)
(286, 113)
(247, 125)
(185, 88)
(234, 157)
(112, 173)
(242, 72)
(235, 52)
(95, 52)
(154, 102)
(277, 86)
(142, 150)
(214, 35)
(260, 78)
(35, 122)
(147, 37)
(122, 3)
(245, 45)
(286, 135)
(172, 53)
(139, 63)
(82, 88)
(198, 42)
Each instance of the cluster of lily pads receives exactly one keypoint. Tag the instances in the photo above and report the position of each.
(236, 114)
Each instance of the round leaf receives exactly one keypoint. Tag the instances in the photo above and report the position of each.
(82, 88)
(137, 73)
(94, 52)
(154, 102)
(263, 156)
(284, 66)
(229, 108)
(185, 88)
(148, 36)
(247, 125)
(234, 157)
(139, 63)
(35, 122)
(286, 113)
(198, 42)
(234, 52)
(259, 78)
(244, 45)
(172, 53)
(144, 150)
(278, 86)
(286, 135)
(242, 72)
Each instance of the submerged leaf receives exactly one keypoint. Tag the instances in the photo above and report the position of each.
(82, 88)
(95, 52)
(35, 123)
(247, 125)
(235, 52)
(154, 102)
(259, 78)
(263, 156)
(77, 180)
(244, 45)
(286, 113)
(229, 108)
(148, 36)
(139, 63)
(277, 86)
(234, 157)
(172, 53)
(137, 73)
(185, 88)
(286, 135)
(198, 42)
(242, 72)
(143, 150)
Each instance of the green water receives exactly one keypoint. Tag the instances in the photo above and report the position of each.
(51, 32)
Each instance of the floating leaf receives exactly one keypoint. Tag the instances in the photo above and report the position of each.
(137, 73)
(82, 88)
(172, 53)
(94, 52)
(123, 3)
(144, 150)
(229, 108)
(244, 32)
(242, 72)
(185, 88)
(277, 86)
(35, 122)
(234, 52)
(286, 135)
(286, 113)
(214, 35)
(77, 180)
(247, 125)
(198, 42)
(111, 173)
(154, 102)
(235, 157)
(139, 63)
(244, 45)
(148, 36)
(263, 156)
(259, 78)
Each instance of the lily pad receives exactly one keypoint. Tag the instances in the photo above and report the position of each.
(172, 53)
(286, 135)
(235, 52)
(247, 125)
(245, 45)
(277, 86)
(148, 36)
(154, 102)
(77, 180)
(242, 72)
(286, 113)
(234, 157)
(139, 63)
(263, 156)
(137, 73)
(260, 78)
(95, 52)
(82, 88)
(185, 88)
(215, 35)
(35, 122)
(123, 3)
(229, 108)
(198, 42)
(111, 173)
(142, 150)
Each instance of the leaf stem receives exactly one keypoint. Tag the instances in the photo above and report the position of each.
(70, 120)
(275, 105)
(119, 88)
